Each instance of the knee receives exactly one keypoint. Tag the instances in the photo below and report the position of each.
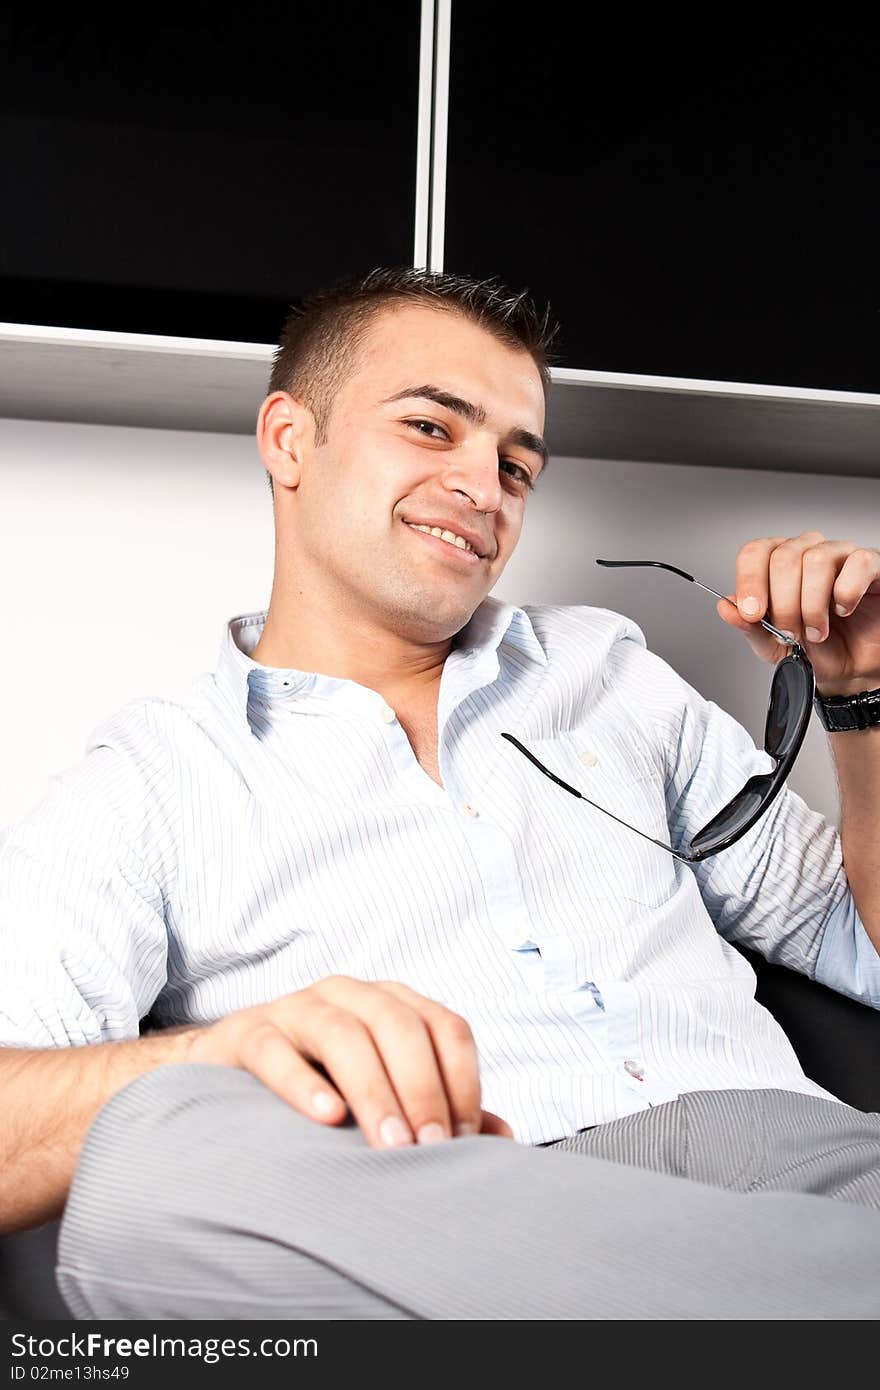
(178, 1151)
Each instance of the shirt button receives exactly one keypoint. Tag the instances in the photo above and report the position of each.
(469, 810)
(634, 1069)
(388, 714)
(588, 758)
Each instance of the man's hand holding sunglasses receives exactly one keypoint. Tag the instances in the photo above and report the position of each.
(822, 657)
(825, 592)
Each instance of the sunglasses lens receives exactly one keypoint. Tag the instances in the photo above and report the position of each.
(789, 701)
(734, 816)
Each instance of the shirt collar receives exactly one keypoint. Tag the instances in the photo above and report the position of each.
(491, 623)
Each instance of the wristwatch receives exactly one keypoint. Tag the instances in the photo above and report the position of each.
(838, 713)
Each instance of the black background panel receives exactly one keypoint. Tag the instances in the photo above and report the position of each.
(695, 196)
(195, 174)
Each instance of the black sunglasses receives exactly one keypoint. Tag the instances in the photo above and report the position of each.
(788, 714)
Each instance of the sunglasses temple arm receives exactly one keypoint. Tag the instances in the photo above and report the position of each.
(685, 858)
(787, 637)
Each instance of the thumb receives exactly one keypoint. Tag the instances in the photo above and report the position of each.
(762, 642)
(732, 616)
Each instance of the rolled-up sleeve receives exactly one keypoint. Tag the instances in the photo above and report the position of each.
(82, 905)
(848, 959)
(782, 889)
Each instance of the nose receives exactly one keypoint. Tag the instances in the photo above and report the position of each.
(476, 474)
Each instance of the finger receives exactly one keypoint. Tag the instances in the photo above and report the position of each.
(727, 609)
(344, 1045)
(859, 575)
(404, 1046)
(768, 579)
(493, 1124)
(762, 642)
(821, 565)
(753, 577)
(267, 1054)
(786, 581)
(455, 1050)
(404, 1043)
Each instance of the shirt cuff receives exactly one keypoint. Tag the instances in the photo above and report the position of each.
(848, 961)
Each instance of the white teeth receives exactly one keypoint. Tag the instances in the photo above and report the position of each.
(458, 541)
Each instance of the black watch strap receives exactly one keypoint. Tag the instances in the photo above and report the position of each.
(839, 713)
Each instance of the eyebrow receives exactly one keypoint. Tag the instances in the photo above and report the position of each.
(474, 414)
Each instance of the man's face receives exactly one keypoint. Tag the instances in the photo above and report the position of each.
(395, 457)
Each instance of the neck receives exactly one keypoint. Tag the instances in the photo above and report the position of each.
(401, 667)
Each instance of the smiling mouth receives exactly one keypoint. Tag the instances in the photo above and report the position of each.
(467, 555)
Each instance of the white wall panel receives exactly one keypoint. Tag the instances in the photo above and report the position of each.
(123, 552)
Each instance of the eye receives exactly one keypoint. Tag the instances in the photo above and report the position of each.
(524, 476)
(431, 424)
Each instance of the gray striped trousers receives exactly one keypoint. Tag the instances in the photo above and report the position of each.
(200, 1194)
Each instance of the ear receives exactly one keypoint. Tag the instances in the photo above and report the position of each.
(285, 437)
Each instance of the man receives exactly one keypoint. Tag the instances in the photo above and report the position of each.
(356, 912)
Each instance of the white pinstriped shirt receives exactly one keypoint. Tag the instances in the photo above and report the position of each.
(273, 827)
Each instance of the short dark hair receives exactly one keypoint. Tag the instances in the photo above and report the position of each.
(320, 343)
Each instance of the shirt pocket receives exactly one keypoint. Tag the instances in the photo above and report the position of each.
(600, 850)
